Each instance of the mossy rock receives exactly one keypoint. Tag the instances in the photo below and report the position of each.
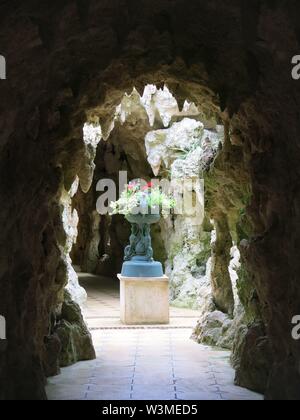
(76, 340)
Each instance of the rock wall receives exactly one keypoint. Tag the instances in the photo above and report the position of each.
(67, 324)
(238, 323)
(75, 339)
(68, 238)
(181, 152)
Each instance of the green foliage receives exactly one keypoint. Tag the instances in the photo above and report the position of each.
(143, 197)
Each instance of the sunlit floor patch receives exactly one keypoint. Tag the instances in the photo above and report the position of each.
(146, 363)
(149, 365)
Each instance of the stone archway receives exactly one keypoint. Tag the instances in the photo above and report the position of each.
(74, 58)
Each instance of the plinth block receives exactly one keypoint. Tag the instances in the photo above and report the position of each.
(144, 300)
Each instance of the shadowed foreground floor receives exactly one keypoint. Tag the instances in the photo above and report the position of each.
(145, 363)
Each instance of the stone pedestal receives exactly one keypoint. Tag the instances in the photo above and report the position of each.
(144, 300)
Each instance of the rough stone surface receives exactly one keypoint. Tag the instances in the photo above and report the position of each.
(188, 250)
(74, 336)
(212, 328)
(70, 223)
(221, 281)
(51, 362)
(185, 149)
(252, 357)
(215, 327)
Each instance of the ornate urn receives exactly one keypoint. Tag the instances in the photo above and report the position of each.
(142, 204)
(138, 259)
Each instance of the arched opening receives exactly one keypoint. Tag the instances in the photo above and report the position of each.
(165, 142)
(146, 135)
(150, 136)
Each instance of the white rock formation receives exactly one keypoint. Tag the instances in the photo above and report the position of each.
(157, 105)
(159, 102)
(70, 223)
(92, 134)
(234, 266)
(215, 327)
(185, 149)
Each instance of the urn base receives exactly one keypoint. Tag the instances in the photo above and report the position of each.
(141, 267)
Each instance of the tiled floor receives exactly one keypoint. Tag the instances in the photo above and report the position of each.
(145, 363)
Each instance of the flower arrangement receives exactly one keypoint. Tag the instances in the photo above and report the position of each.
(142, 198)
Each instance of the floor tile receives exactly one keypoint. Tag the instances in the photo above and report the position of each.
(144, 364)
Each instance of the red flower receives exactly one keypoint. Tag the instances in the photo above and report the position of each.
(150, 184)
